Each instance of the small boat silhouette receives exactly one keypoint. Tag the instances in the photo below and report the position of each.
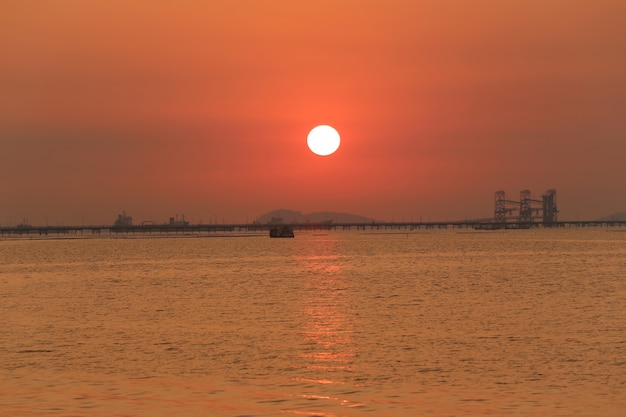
(282, 231)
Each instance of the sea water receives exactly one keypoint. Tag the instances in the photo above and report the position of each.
(360, 323)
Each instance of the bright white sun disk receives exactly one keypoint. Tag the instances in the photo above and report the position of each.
(323, 140)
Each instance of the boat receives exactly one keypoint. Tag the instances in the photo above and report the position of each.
(282, 231)
(123, 220)
(175, 221)
(24, 225)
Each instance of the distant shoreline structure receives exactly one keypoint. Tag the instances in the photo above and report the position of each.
(526, 213)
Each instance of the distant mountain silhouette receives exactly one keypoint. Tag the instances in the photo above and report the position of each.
(615, 217)
(293, 216)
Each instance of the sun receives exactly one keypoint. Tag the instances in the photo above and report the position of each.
(323, 140)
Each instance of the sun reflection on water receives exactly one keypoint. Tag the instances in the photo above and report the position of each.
(327, 328)
(327, 350)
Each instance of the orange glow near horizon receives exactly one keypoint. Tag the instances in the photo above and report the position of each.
(201, 108)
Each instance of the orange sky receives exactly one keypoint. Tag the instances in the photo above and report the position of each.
(203, 108)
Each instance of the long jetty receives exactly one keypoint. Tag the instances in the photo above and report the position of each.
(156, 229)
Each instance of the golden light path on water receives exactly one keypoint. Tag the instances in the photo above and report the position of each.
(437, 323)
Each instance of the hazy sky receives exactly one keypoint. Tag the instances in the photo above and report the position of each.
(202, 108)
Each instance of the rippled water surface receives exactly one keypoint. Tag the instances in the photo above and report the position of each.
(427, 323)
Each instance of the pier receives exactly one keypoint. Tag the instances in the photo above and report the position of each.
(214, 229)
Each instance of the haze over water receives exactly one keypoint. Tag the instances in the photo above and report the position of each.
(432, 323)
